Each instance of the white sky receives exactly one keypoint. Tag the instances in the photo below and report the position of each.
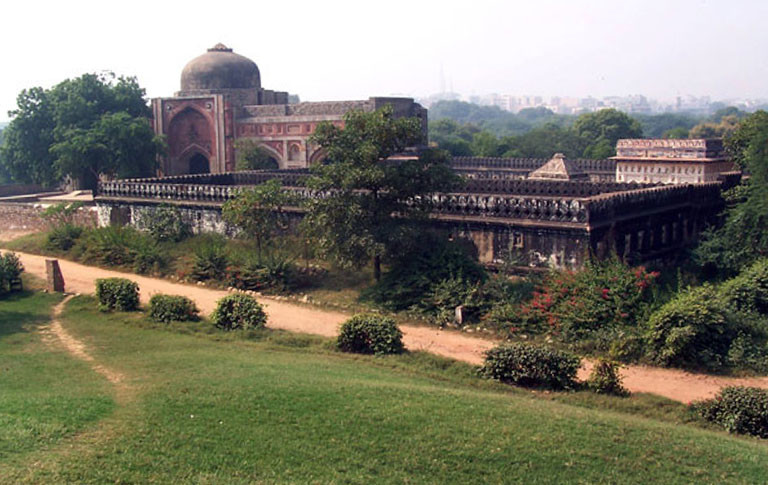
(335, 49)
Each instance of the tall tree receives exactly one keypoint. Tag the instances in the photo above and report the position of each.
(602, 129)
(258, 211)
(743, 237)
(367, 197)
(85, 127)
(25, 150)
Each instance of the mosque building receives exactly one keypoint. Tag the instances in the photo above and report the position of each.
(221, 101)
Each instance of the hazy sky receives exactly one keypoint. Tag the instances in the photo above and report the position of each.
(333, 49)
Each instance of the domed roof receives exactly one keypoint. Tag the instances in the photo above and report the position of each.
(220, 68)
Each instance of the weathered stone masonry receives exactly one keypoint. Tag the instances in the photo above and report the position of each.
(541, 223)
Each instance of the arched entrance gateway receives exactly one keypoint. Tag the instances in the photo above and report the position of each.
(221, 102)
(198, 163)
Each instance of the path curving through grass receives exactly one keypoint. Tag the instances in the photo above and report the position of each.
(674, 384)
(77, 348)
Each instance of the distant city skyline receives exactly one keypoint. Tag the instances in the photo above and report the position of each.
(353, 50)
(636, 103)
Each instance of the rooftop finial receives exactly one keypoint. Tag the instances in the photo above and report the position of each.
(219, 48)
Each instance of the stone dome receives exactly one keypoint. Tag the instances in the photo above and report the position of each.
(218, 69)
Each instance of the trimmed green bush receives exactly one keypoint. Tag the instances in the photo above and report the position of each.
(168, 308)
(605, 379)
(531, 366)
(117, 294)
(238, 312)
(370, 334)
(692, 330)
(738, 409)
(10, 273)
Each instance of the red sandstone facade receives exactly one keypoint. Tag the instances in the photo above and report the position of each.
(221, 101)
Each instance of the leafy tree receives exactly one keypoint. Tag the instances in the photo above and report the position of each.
(738, 143)
(543, 142)
(367, 198)
(250, 156)
(117, 144)
(728, 111)
(602, 129)
(485, 144)
(724, 128)
(452, 137)
(537, 114)
(258, 211)
(655, 126)
(743, 237)
(82, 128)
(677, 133)
(25, 151)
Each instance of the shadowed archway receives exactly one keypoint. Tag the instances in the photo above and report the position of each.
(198, 163)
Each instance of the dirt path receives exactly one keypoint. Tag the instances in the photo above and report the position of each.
(671, 383)
(55, 333)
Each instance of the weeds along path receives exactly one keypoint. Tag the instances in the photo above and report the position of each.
(671, 383)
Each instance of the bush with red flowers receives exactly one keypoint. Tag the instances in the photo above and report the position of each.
(602, 295)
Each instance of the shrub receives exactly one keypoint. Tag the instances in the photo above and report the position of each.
(167, 308)
(604, 294)
(605, 379)
(148, 257)
(10, 272)
(445, 295)
(167, 224)
(61, 214)
(117, 294)
(272, 270)
(738, 409)
(692, 330)
(210, 262)
(529, 365)
(415, 268)
(63, 237)
(370, 334)
(111, 245)
(748, 292)
(238, 312)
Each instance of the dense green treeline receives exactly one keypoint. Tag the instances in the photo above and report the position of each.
(466, 129)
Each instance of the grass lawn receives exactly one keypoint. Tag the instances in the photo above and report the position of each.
(46, 395)
(217, 408)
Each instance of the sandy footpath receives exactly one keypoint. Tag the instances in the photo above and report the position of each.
(671, 383)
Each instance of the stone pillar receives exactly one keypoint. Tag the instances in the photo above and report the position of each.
(55, 280)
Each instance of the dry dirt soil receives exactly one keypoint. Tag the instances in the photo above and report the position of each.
(671, 383)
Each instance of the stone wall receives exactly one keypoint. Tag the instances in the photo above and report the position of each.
(21, 216)
(10, 190)
(536, 222)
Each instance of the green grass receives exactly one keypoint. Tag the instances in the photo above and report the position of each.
(46, 396)
(277, 408)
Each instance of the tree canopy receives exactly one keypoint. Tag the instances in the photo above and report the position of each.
(743, 237)
(82, 128)
(602, 129)
(591, 135)
(367, 199)
(258, 211)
